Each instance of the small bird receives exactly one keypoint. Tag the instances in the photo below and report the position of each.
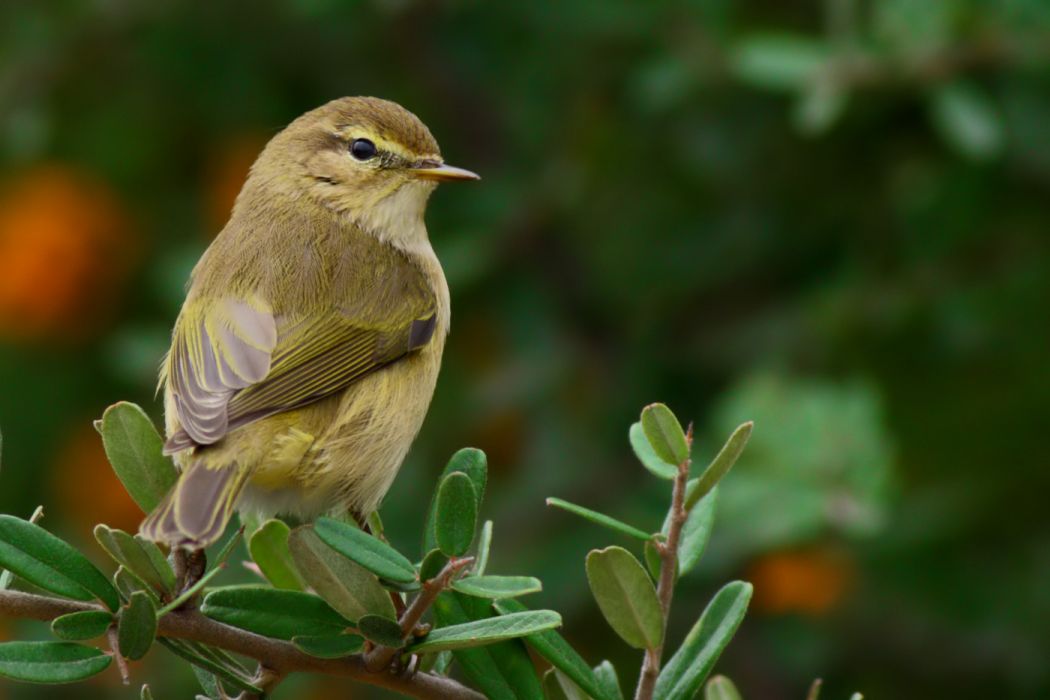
(307, 349)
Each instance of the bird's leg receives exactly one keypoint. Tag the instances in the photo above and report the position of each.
(190, 565)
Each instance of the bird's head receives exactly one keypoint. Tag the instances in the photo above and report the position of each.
(364, 157)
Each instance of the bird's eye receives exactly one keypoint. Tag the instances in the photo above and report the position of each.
(363, 149)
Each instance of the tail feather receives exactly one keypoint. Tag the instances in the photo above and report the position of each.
(195, 512)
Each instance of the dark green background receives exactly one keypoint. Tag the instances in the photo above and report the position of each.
(830, 217)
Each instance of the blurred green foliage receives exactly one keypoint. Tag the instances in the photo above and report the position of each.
(826, 216)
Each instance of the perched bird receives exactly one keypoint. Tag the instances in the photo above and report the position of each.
(307, 349)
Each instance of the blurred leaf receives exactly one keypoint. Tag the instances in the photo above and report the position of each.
(134, 448)
(481, 559)
(653, 561)
(474, 464)
(47, 562)
(599, 518)
(558, 686)
(137, 627)
(442, 663)
(81, 626)
(665, 434)
(212, 660)
(819, 106)
(145, 693)
(139, 556)
(721, 688)
(378, 557)
(273, 612)
(778, 61)
(814, 689)
(433, 564)
(497, 587)
(720, 465)
(333, 646)
(488, 631)
(968, 120)
(553, 647)
(381, 630)
(456, 518)
(268, 547)
(608, 681)
(697, 531)
(647, 456)
(50, 662)
(683, 675)
(501, 671)
(626, 596)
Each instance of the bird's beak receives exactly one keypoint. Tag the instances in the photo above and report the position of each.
(436, 170)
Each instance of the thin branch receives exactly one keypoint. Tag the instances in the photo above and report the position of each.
(279, 657)
(122, 663)
(380, 657)
(668, 570)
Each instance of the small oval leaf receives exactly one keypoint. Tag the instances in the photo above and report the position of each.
(349, 588)
(381, 630)
(665, 434)
(457, 514)
(378, 557)
(50, 563)
(488, 631)
(599, 518)
(474, 464)
(497, 587)
(626, 596)
(683, 675)
(135, 449)
(333, 646)
(273, 612)
(647, 456)
(137, 627)
(433, 564)
(720, 465)
(721, 688)
(608, 680)
(268, 547)
(50, 662)
(81, 626)
(139, 556)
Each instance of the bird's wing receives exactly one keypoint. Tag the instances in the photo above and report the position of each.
(242, 362)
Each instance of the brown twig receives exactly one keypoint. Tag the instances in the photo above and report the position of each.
(122, 663)
(668, 570)
(380, 657)
(279, 657)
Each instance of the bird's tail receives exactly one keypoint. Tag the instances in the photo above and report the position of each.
(195, 512)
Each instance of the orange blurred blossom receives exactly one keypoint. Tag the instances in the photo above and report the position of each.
(809, 581)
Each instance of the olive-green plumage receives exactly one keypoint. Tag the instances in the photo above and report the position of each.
(306, 353)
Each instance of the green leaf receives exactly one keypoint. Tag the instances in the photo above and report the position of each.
(139, 556)
(351, 589)
(145, 693)
(696, 532)
(481, 558)
(137, 627)
(433, 564)
(474, 464)
(273, 612)
(212, 660)
(134, 448)
(721, 688)
(968, 120)
(44, 560)
(457, 514)
(608, 680)
(378, 557)
(558, 686)
(381, 630)
(720, 465)
(784, 62)
(683, 675)
(501, 671)
(493, 629)
(6, 576)
(665, 434)
(268, 547)
(647, 456)
(332, 646)
(50, 662)
(497, 587)
(81, 626)
(653, 561)
(599, 518)
(814, 689)
(128, 583)
(209, 683)
(626, 596)
(553, 647)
